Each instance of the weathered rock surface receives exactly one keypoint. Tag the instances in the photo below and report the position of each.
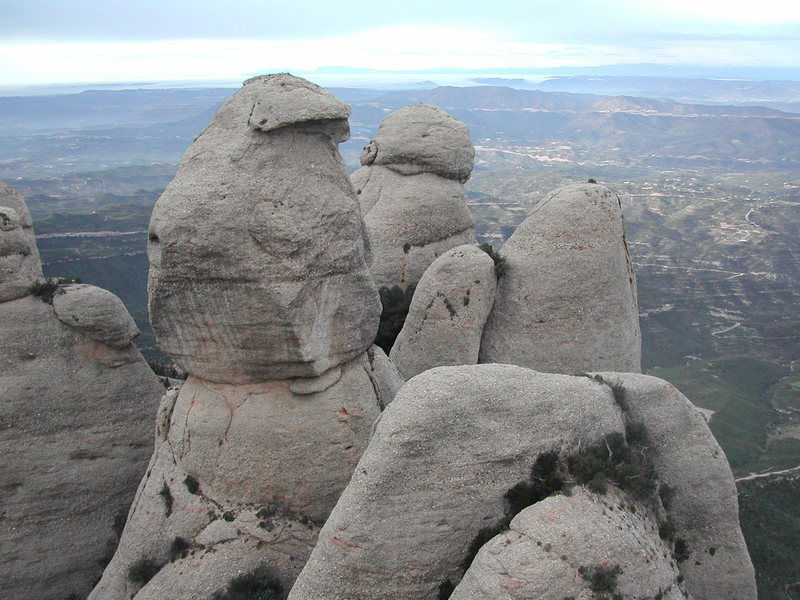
(75, 435)
(421, 138)
(257, 258)
(251, 472)
(20, 265)
(704, 507)
(411, 194)
(567, 302)
(555, 546)
(450, 306)
(96, 313)
(444, 453)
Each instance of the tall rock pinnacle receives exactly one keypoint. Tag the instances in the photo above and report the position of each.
(76, 408)
(257, 259)
(567, 303)
(20, 265)
(411, 193)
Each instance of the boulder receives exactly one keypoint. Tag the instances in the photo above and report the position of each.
(443, 455)
(96, 313)
(421, 138)
(411, 194)
(75, 434)
(20, 265)
(704, 506)
(261, 442)
(256, 248)
(567, 302)
(245, 475)
(562, 547)
(447, 314)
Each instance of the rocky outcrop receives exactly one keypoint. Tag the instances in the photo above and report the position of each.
(448, 463)
(259, 288)
(448, 312)
(20, 265)
(96, 313)
(704, 506)
(76, 407)
(567, 302)
(561, 548)
(257, 259)
(435, 472)
(411, 194)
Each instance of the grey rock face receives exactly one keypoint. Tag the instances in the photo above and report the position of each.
(252, 471)
(447, 314)
(411, 194)
(75, 435)
(257, 260)
(422, 139)
(704, 507)
(567, 303)
(444, 453)
(553, 547)
(96, 313)
(20, 265)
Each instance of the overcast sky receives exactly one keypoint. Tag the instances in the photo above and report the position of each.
(58, 41)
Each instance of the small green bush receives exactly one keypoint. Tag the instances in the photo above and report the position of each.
(143, 570)
(178, 549)
(191, 484)
(260, 584)
(500, 263)
(681, 551)
(44, 290)
(166, 495)
(666, 531)
(627, 465)
(602, 579)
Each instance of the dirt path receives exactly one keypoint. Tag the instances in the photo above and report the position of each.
(768, 474)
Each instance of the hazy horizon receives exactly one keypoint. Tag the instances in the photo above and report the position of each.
(94, 41)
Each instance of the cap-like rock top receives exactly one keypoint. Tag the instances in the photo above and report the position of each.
(256, 248)
(283, 99)
(422, 139)
(97, 313)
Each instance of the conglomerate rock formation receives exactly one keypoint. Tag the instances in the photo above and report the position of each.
(286, 448)
(20, 265)
(257, 261)
(567, 302)
(559, 548)
(447, 461)
(76, 407)
(447, 313)
(411, 193)
(259, 288)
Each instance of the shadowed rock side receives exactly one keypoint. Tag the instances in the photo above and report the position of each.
(20, 265)
(564, 546)
(704, 507)
(257, 258)
(259, 288)
(444, 453)
(411, 193)
(567, 302)
(448, 312)
(76, 407)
